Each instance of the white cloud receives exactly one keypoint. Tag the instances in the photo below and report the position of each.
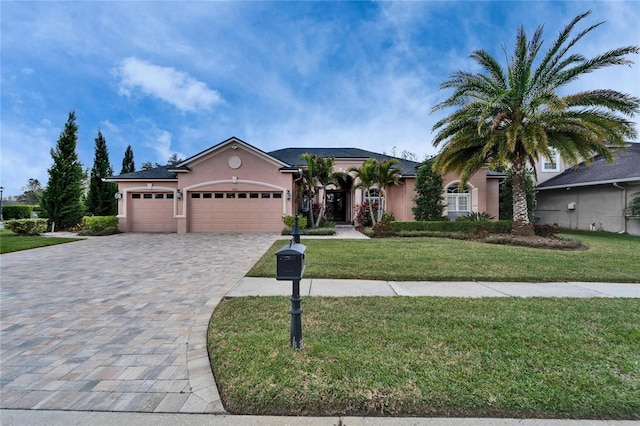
(165, 83)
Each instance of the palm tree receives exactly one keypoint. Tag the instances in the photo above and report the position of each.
(366, 178)
(316, 176)
(516, 116)
(386, 174)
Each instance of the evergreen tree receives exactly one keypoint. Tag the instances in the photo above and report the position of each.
(100, 200)
(429, 186)
(128, 165)
(62, 199)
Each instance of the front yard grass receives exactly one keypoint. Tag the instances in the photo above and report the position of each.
(9, 242)
(609, 258)
(427, 356)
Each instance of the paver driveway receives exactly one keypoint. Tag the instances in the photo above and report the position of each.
(117, 323)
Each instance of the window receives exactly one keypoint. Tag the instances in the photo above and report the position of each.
(457, 199)
(159, 196)
(231, 195)
(219, 195)
(206, 195)
(253, 195)
(135, 195)
(266, 195)
(374, 196)
(170, 196)
(277, 195)
(147, 196)
(242, 195)
(552, 165)
(195, 195)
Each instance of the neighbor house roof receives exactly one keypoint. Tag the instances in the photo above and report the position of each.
(293, 157)
(626, 168)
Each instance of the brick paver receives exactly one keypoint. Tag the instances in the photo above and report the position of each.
(117, 323)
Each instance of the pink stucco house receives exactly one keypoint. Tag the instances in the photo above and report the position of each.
(236, 187)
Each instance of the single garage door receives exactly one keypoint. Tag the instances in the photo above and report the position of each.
(235, 211)
(151, 212)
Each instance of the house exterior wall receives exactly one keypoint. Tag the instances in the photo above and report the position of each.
(599, 205)
(400, 199)
(493, 197)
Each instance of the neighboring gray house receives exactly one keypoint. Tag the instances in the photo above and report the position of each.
(595, 196)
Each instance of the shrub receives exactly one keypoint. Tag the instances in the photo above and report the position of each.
(382, 229)
(388, 217)
(26, 227)
(99, 225)
(475, 217)
(546, 230)
(289, 221)
(363, 216)
(498, 227)
(634, 208)
(16, 211)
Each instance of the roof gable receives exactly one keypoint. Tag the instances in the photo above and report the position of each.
(625, 168)
(233, 142)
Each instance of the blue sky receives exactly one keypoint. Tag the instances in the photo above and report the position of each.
(178, 77)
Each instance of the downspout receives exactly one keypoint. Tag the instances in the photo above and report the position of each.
(624, 208)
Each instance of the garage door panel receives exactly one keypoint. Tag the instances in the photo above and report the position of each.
(237, 213)
(151, 214)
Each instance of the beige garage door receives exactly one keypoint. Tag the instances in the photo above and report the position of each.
(151, 212)
(235, 211)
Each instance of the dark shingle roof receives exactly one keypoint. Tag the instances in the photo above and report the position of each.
(161, 173)
(292, 156)
(625, 168)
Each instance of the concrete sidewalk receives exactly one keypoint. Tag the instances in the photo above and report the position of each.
(64, 418)
(341, 288)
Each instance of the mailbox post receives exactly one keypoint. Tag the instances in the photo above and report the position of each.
(290, 266)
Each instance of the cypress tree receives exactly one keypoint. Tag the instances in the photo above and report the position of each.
(429, 186)
(128, 165)
(100, 199)
(62, 199)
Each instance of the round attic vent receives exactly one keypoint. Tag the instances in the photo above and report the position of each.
(234, 162)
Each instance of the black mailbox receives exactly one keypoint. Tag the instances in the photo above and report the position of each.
(290, 262)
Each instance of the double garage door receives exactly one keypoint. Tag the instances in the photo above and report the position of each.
(235, 211)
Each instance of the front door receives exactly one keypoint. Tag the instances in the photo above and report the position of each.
(336, 206)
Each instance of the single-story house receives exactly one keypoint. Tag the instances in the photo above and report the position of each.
(235, 187)
(595, 196)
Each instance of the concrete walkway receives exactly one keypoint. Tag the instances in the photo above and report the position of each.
(340, 288)
(103, 330)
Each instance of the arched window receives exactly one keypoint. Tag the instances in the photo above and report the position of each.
(374, 195)
(458, 200)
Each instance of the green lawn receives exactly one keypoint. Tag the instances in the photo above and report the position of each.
(609, 258)
(9, 242)
(425, 356)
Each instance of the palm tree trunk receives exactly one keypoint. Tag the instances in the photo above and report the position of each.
(373, 217)
(322, 205)
(521, 225)
(311, 194)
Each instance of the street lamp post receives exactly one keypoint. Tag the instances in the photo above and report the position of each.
(1, 189)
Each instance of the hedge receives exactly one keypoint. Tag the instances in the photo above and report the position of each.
(99, 225)
(16, 211)
(26, 227)
(497, 227)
